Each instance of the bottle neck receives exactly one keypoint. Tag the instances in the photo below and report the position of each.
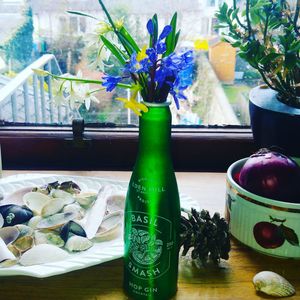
(155, 129)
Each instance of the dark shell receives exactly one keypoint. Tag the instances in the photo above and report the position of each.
(15, 214)
(71, 228)
(70, 187)
(46, 189)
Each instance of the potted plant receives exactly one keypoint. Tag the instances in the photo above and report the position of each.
(267, 33)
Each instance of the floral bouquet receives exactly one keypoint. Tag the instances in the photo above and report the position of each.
(154, 71)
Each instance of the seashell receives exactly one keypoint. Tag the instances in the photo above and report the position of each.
(54, 206)
(52, 238)
(116, 202)
(110, 226)
(36, 201)
(76, 208)
(24, 230)
(56, 220)
(6, 256)
(14, 198)
(272, 284)
(86, 199)
(15, 214)
(47, 188)
(1, 221)
(24, 243)
(9, 234)
(41, 254)
(17, 253)
(78, 243)
(70, 187)
(61, 194)
(34, 221)
(71, 228)
(94, 215)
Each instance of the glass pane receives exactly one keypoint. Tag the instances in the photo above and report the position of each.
(32, 29)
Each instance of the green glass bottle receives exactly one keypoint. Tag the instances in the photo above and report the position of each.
(152, 212)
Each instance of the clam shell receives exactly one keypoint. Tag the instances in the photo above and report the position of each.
(52, 238)
(9, 234)
(24, 243)
(116, 202)
(14, 198)
(62, 194)
(36, 201)
(24, 230)
(110, 226)
(55, 205)
(56, 220)
(272, 284)
(78, 243)
(76, 208)
(1, 221)
(41, 254)
(34, 221)
(6, 256)
(86, 199)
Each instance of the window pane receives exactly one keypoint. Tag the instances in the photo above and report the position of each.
(221, 81)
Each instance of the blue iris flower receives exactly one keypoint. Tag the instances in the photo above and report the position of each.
(110, 82)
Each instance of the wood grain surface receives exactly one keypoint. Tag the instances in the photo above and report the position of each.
(231, 280)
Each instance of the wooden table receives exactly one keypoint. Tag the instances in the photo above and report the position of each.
(232, 281)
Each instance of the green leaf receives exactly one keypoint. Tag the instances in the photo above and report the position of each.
(290, 61)
(155, 29)
(255, 18)
(269, 58)
(129, 40)
(114, 50)
(290, 235)
(177, 37)
(170, 40)
(81, 14)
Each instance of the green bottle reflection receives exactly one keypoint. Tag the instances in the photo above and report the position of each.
(152, 212)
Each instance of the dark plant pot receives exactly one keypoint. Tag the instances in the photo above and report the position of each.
(273, 122)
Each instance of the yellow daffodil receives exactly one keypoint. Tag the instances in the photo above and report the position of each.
(103, 28)
(132, 104)
(119, 23)
(40, 72)
(142, 54)
(201, 44)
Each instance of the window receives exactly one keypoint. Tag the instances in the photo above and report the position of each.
(212, 100)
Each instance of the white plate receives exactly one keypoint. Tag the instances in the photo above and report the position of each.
(99, 253)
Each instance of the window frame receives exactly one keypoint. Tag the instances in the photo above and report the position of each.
(50, 147)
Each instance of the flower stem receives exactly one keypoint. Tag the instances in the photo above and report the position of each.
(121, 85)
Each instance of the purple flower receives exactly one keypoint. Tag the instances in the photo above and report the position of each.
(110, 82)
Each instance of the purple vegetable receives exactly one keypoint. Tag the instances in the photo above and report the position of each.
(272, 175)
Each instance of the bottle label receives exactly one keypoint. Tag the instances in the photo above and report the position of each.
(150, 247)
